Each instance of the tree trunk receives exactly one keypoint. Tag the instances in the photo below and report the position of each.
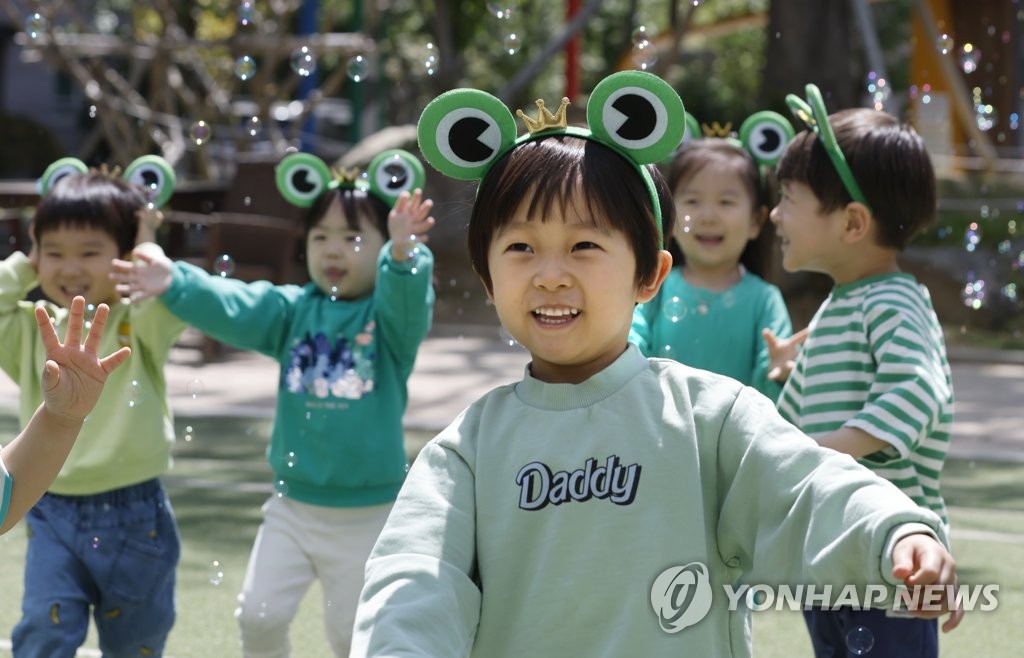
(810, 41)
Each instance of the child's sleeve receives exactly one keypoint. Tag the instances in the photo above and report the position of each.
(251, 316)
(904, 402)
(405, 300)
(6, 483)
(419, 597)
(774, 316)
(793, 512)
(17, 278)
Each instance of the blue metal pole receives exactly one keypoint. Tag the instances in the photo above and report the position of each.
(308, 25)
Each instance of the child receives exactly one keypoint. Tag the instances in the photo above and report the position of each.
(72, 380)
(346, 343)
(712, 307)
(872, 379)
(537, 522)
(103, 540)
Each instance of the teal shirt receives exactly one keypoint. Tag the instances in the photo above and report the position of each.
(337, 438)
(716, 331)
(537, 523)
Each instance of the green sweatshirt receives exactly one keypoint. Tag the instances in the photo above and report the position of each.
(337, 438)
(537, 523)
(716, 331)
(128, 436)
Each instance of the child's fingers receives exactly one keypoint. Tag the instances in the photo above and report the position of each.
(99, 323)
(51, 375)
(954, 619)
(902, 560)
(112, 362)
(76, 323)
(46, 330)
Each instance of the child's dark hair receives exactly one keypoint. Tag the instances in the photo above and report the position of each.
(552, 170)
(888, 160)
(356, 204)
(93, 200)
(696, 154)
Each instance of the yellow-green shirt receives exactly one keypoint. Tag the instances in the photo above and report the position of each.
(128, 436)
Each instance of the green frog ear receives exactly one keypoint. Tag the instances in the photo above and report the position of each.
(154, 175)
(637, 113)
(765, 136)
(302, 178)
(692, 128)
(462, 132)
(393, 172)
(814, 116)
(58, 170)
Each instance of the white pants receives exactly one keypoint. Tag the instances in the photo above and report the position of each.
(296, 544)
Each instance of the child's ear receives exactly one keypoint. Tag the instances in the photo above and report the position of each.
(649, 289)
(757, 222)
(857, 220)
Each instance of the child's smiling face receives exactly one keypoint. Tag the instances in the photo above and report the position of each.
(342, 261)
(76, 260)
(565, 288)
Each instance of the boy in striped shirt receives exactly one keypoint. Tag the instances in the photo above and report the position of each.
(872, 379)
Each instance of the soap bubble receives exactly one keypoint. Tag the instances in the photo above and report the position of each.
(224, 265)
(200, 132)
(674, 309)
(358, 68)
(304, 61)
(860, 641)
(245, 67)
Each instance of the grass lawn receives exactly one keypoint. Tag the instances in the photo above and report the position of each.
(220, 480)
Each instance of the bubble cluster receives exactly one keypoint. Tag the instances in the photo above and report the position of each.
(303, 61)
(431, 61)
(973, 294)
(644, 53)
(217, 576)
(35, 26)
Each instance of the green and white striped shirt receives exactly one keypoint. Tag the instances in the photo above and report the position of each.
(875, 359)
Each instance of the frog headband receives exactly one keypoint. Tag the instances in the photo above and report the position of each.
(463, 132)
(150, 172)
(812, 113)
(764, 135)
(303, 177)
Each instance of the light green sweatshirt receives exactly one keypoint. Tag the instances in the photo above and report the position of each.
(128, 436)
(537, 523)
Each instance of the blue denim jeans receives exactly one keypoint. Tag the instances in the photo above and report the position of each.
(846, 632)
(113, 554)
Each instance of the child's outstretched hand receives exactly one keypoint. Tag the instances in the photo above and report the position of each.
(73, 375)
(919, 560)
(408, 223)
(143, 277)
(782, 353)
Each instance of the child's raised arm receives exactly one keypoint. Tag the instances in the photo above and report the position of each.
(408, 223)
(72, 381)
(145, 276)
